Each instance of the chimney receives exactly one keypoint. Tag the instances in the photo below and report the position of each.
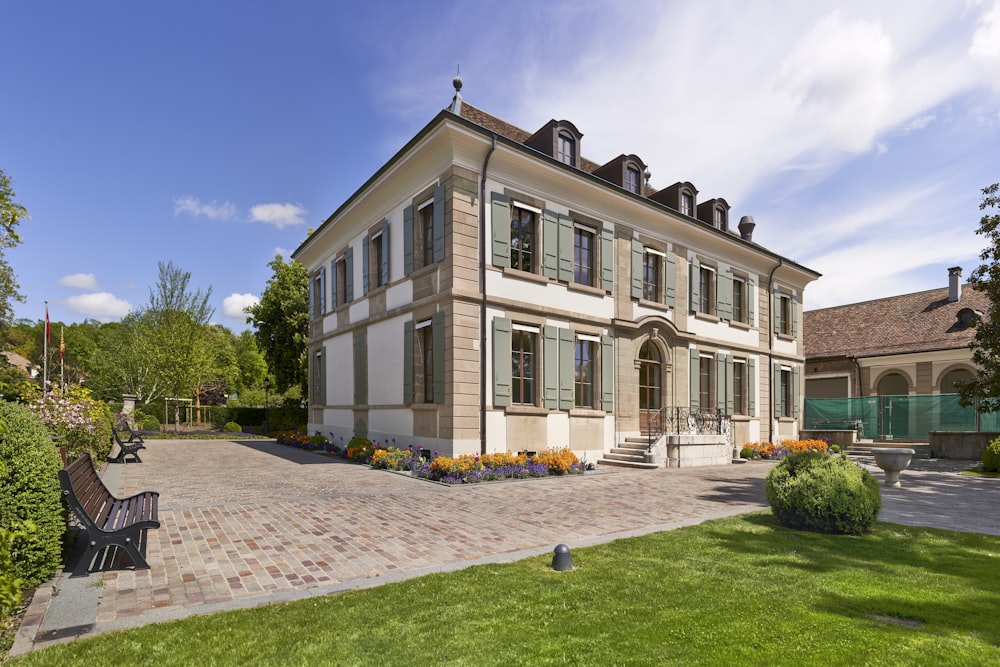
(746, 227)
(954, 284)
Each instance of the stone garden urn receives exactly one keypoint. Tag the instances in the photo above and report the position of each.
(892, 460)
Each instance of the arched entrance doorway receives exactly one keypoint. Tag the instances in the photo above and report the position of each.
(650, 385)
(951, 380)
(895, 414)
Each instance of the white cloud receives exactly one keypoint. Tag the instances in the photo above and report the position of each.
(212, 210)
(285, 253)
(985, 47)
(102, 306)
(233, 306)
(279, 215)
(79, 281)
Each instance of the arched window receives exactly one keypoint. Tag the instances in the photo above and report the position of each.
(566, 149)
(893, 384)
(951, 380)
(632, 179)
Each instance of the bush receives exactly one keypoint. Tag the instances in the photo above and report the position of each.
(360, 449)
(747, 452)
(991, 456)
(30, 494)
(10, 585)
(813, 491)
(232, 427)
(148, 423)
(83, 423)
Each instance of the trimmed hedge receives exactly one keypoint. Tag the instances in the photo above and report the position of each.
(824, 494)
(29, 492)
(991, 456)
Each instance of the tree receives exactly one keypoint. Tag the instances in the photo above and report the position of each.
(985, 388)
(281, 319)
(11, 214)
(121, 364)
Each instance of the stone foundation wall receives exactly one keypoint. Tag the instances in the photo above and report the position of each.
(960, 444)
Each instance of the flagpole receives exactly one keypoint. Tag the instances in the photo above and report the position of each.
(62, 361)
(45, 352)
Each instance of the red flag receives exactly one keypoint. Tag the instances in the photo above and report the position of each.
(48, 327)
(62, 343)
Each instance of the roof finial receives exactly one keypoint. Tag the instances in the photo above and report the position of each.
(456, 102)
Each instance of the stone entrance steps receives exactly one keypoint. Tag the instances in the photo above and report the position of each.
(922, 450)
(631, 453)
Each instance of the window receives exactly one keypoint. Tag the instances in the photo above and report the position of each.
(739, 300)
(425, 229)
(785, 305)
(566, 149)
(583, 377)
(720, 218)
(786, 393)
(583, 255)
(340, 266)
(651, 275)
(706, 290)
(706, 383)
(318, 380)
(522, 238)
(632, 180)
(739, 387)
(423, 361)
(523, 356)
(687, 203)
(376, 249)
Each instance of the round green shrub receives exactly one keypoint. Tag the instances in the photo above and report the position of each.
(746, 453)
(150, 423)
(29, 492)
(232, 427)
(834, 449)
(991, 456)
(824, 494)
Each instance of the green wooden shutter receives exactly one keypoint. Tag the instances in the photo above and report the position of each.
(349, 273)
(730, 407)
(752, 386)
(751, 300)
(437, 334)
(795, 391)
(565, 248)
(720, 381)
(775, 390)
(384, 269)
(408, 362)
(670, 279)
(566, 369)
(438, 223)
(550, 372)
(333, 287)
(724, 294)
(364, 265)
(607, 373)
(550, 244)
(360, 367)
(607, 259)
(500, 223)
(694, 291)
(501, 362)
(776, 309)
(694, 380)
(408, 240)
(637, 257)
(793, 306)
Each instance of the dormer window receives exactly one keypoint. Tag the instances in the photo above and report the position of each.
(632, 180)
(687, 203)
(566, 149)
(719, 218)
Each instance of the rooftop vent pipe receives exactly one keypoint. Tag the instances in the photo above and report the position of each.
(746, 227)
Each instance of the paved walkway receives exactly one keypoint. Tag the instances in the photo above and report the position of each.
(252, 522)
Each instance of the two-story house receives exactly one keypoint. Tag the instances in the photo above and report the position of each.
(489, 289)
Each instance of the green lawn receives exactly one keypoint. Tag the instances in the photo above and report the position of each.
(734, 591)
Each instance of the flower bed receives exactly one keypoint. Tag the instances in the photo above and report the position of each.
(421, 463)
(770, 451)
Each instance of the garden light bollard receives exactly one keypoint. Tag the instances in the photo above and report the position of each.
(562, 560)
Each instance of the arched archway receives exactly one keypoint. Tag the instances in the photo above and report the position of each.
(893, 384)
(650, 384)
(895, 413)
(951, 380)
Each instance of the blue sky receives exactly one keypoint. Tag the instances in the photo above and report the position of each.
(214, 134)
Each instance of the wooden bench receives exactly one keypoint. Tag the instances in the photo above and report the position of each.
(128, 447)
(110, 521)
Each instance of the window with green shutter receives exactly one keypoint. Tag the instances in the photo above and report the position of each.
(501, 362)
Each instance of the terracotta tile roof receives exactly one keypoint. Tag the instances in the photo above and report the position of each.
(505, 129)
(916, 322)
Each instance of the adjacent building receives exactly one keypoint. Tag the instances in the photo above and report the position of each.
(490, 289)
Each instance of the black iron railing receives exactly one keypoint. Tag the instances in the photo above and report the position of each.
(654, 427)
(686, 421)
